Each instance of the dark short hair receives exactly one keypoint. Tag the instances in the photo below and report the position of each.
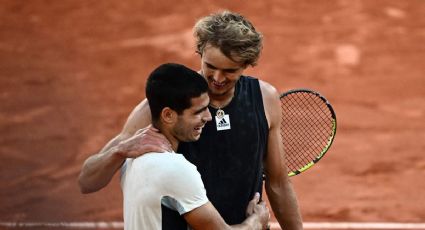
(173, 85)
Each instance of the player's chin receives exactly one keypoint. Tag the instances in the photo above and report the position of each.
(218, 92)
(218, 89)
(192, 138)
(195, 136)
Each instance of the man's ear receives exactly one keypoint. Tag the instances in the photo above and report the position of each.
(168, 116)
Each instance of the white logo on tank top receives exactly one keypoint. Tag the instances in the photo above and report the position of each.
(223, 123)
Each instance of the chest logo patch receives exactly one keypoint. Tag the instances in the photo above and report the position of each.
(222, 122)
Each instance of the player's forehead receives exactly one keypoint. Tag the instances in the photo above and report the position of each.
(213, 57)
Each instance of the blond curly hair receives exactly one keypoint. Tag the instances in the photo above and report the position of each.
(233, 34)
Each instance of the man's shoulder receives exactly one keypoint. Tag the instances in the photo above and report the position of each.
(162, 159)
(271, 101)
(267, 89)
(248, 79)
(171, 164)
(165, 171)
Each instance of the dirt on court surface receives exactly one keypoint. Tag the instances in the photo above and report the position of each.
(71, 72)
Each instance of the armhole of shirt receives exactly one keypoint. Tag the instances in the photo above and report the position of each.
(172, 204)
(260, 102)
(260, 107)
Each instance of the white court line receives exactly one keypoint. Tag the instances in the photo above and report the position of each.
(274, 225)
(357, 225)
(96, 225)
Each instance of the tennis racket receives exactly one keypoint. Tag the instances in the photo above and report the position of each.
(308, 128)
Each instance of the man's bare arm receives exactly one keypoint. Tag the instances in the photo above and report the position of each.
(278, 186)
(207, 217)
(98, 169)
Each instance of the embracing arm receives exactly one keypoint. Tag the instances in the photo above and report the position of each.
(278, 186)
(98, 169)
(207, 217)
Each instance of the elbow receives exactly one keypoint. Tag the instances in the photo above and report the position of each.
(276, 185)
(84, 188)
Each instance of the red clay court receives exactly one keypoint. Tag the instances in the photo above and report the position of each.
(71, 72)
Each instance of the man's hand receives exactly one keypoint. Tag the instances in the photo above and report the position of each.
(260, 209)
(143, 141)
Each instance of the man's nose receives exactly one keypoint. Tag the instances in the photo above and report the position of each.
(218, 76)
(207, 115)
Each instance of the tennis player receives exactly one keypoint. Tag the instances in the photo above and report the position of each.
(178, 101)
(241, 142)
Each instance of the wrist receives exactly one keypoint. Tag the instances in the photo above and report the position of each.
(258, 224)
(254, 222)
(117, 152)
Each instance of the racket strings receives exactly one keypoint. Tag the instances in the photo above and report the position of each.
(306, 128)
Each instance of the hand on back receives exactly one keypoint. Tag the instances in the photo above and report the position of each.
(260, 209)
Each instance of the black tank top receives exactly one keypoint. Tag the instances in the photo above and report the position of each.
(231, 161)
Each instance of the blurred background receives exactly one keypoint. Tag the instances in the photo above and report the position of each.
(72, 71)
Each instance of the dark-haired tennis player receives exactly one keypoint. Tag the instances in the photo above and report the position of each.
(241, 142)
(179, 107)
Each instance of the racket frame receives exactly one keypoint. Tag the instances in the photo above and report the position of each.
(330, 138)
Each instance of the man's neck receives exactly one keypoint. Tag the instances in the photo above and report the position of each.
(173, 141)
(221, 101)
